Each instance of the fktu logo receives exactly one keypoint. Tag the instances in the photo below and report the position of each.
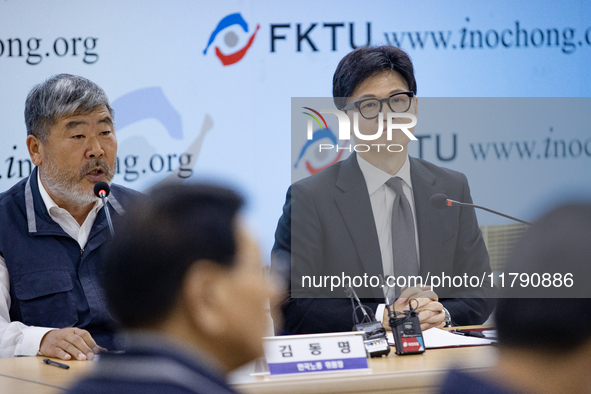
(231, 38)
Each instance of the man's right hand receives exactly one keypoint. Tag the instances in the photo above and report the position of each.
(69, 343)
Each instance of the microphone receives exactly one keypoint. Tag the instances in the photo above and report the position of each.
(440, 201)
(102, 190)
(374, 334)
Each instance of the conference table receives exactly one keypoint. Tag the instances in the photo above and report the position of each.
(393, 374)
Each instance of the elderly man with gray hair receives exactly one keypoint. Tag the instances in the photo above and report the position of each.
(54, 230)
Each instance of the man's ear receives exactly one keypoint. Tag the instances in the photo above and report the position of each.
(35, 148)
(202, 297)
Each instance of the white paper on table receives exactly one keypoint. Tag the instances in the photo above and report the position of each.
(436, 337)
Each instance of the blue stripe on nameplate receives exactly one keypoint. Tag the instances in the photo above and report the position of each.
(318, 366)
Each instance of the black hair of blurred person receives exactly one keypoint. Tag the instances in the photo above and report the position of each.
(559, 241)
(158, 240)
(366, 61)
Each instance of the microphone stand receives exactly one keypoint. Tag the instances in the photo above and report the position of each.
(102, 195)
(453, 202)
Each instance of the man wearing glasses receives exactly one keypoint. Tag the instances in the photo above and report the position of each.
(370, 215)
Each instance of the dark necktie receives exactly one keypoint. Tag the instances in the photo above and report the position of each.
(403, 234)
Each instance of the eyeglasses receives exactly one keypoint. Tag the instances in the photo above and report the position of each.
(371, 107)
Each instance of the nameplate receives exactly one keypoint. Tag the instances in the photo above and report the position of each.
(300, 354)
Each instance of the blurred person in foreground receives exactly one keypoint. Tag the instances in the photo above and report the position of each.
(185, 281)
(544, 343)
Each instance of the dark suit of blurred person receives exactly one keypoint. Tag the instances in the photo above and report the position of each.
(544, 338)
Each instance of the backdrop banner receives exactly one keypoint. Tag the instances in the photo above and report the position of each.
(202, 90)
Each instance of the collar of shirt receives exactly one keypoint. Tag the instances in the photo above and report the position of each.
(375, 178)
(65, 220)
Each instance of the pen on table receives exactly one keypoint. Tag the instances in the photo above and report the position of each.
(55, 363)
(469, 333)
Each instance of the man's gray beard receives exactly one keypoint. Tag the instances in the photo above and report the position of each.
(68, 188)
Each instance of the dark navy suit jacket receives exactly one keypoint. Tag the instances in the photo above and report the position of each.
(152, 364)
(327, 227)
(457, 382)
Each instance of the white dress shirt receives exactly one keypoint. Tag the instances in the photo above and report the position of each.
(382, 200)
(16, 338)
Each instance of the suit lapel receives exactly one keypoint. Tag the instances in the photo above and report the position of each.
(430, 220)
(355, 208)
